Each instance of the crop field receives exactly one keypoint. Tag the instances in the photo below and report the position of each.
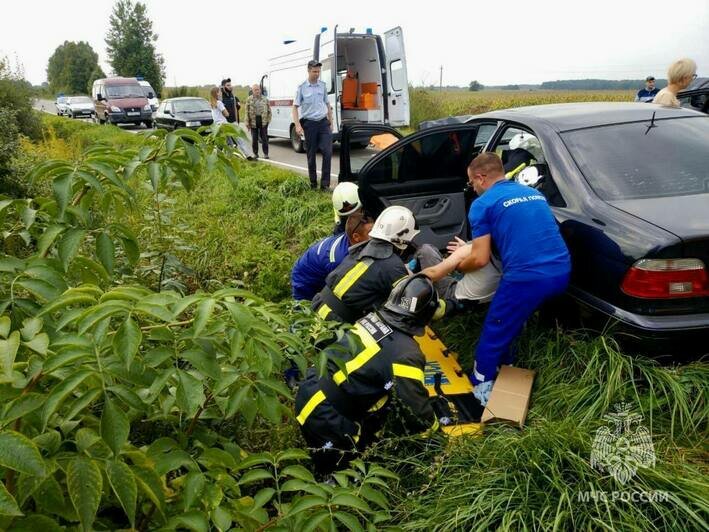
(429, 104)
(146, 323)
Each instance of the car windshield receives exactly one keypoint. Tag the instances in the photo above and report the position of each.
(61, 99)
(632, 161)
(124, 91)
(80, 99)
(147, 90)
(191, 106)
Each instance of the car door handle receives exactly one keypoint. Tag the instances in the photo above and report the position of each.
(430, 203)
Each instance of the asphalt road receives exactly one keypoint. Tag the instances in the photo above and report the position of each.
(280, 151)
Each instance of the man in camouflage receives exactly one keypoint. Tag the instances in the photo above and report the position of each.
(258, 116)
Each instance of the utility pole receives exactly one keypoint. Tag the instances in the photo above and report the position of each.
(440, 81)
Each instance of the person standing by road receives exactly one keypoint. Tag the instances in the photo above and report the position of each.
(649, 92)
(680, 74)
(231, 102)
(258, 116)
(219, 111)
(312, 116)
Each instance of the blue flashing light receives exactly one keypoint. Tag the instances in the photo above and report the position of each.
(369, 31)
(323, 29)
(289, 41)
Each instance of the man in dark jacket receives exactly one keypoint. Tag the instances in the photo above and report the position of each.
(230, 101)
(365, 277)
(381, 388)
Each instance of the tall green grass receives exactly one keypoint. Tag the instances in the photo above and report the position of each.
(536, 478)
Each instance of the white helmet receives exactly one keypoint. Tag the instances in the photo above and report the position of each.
(396, 224)
(345, 198)
(528, 142)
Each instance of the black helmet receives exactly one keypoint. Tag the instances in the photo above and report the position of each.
(413, 298)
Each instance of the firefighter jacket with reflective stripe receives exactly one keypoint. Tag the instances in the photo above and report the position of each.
(361, 283)
(373, 369)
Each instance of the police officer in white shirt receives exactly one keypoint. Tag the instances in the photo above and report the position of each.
(312, 116)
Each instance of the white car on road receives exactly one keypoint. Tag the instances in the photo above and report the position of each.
(79, 107)
(60, 104)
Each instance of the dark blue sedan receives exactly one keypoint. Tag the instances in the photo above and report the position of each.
(628, 184)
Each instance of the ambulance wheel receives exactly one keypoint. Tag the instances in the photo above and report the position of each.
(297, 142)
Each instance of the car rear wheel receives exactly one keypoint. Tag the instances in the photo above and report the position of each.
(297, 142)
(148, 124)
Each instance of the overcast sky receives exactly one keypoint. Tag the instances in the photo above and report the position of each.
(497, 42)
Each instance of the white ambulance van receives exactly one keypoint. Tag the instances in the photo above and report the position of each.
(376, 91)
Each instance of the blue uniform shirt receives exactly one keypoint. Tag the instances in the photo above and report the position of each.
(523, 230)
(311, 99)
(646, 96)
(313, 266)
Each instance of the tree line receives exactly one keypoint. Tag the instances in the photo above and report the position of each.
(130, 46)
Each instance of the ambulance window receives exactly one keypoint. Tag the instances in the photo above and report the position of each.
(398, 82)
(326, 75)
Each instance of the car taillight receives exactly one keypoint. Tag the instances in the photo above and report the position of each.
(666, 278)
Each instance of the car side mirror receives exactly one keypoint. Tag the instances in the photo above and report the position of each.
(169, 112)
(151, 96)
(99, 97)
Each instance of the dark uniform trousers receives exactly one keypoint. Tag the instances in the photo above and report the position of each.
(382, 387)
(318, 136)
(360, 283)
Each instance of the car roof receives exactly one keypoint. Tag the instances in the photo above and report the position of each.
(119, 81)
(569, 116)
(182, 98)
(697, 84)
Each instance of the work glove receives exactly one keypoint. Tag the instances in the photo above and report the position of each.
(482, 391)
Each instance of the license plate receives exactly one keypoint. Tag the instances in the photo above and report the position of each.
(133, 113)
(193, 124)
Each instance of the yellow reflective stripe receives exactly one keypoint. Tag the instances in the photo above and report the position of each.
(410, 372)
(349, 279)
(515, 171)
(379, 404)
(324, 311)
(371, 348)
(314, 401)
(334, 248)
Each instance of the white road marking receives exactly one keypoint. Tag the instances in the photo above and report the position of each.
(279, 163)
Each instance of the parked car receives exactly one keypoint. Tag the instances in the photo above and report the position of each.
(696, 96)
(191, 112)
(121, 101)
(150, 94)
(628, 185)
(79, 107)
(60, 104)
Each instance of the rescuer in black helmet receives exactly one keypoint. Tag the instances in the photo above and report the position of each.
(381, 385)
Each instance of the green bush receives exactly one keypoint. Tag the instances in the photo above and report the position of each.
(17, 94)
(178, 92)
(126, 407)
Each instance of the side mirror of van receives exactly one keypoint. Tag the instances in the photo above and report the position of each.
(99, 97)
(150, 96)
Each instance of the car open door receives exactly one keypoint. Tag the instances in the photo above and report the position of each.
(397, 89)
(427, 173)
(361, 142)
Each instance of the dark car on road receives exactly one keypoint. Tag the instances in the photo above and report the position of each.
(189, 112)
(696, 96)
(628, 184)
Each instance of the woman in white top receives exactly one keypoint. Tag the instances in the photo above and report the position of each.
(679, 76)
(219, 112)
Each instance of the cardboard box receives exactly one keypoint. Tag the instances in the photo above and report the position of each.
(509, 399)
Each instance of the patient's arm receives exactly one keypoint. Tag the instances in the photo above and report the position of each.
(447, 265)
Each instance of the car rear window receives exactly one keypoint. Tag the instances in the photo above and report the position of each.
(632, 161)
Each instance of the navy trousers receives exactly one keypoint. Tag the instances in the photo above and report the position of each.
(318, 136)
(513, 303)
